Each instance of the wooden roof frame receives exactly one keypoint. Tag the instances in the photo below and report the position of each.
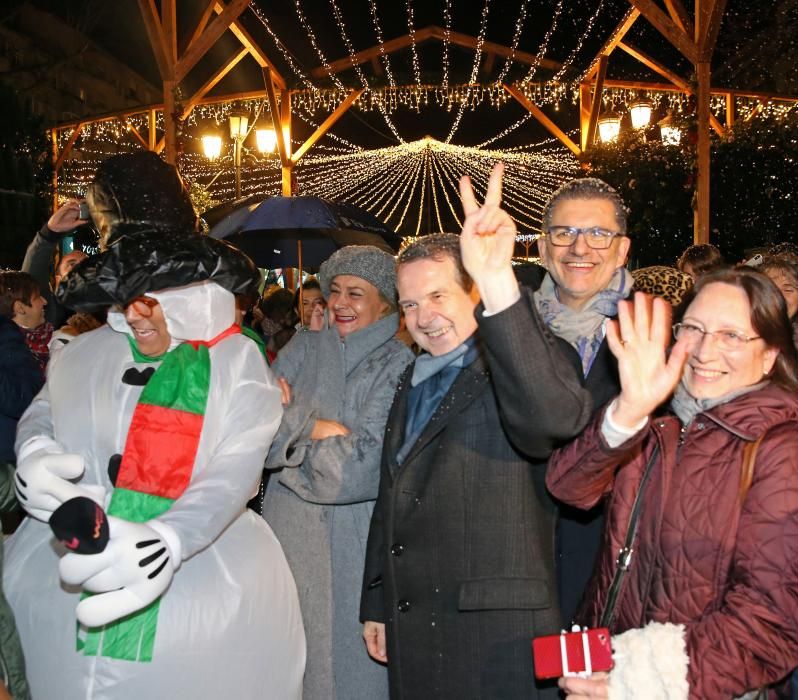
(694, 38)
(427, 34)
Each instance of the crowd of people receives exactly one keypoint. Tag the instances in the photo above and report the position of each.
(444, 456)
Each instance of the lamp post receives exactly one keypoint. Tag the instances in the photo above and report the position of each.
(238, 132)
(670, 134)
(609, 126)
(640, 113)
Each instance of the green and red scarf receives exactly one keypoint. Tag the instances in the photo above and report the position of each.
(156, 468)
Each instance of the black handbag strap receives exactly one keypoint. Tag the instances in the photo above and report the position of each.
(624, 559)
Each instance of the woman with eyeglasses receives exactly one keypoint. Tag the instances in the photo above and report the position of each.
(697, 579)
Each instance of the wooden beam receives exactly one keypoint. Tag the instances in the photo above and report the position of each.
(709, 36)
(655, 66)
(73, 137)
(487, 65)
(211, 82)
(133, 130)
(754, 112)
(287, 169)
(209, 37)
(327, 124)
(274, 108)
(470, 42)
(679, 15)
(387, 47)
(425, 34)
(152, 24)
(54, 160)
(207, 13)
(542, 118)
(169, 24)
(701, 223)
(609, 46)
(376, 66)
(595, 105)
(730, 115)
(666, 26)
(257, 53)
(169, 121)
(584, 113)
(152, 136)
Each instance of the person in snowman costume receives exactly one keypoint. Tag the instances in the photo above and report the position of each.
(163, 417)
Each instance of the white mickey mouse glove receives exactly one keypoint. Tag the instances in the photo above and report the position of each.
(42, 482)
(134, 569)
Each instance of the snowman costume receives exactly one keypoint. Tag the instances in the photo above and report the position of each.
(224, 617)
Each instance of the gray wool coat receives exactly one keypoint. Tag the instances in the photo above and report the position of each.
(320, 498)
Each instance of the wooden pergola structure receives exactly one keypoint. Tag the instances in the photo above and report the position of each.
(694, 38)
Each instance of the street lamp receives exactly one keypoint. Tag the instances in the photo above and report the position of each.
(238, 132)
(640, 112)
(609, 126)
(212, 146)
(266, 140)
(670, 134)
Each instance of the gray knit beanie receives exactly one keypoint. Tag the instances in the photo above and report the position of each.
(364, 261)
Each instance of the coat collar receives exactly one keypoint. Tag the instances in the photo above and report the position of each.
(472, 381)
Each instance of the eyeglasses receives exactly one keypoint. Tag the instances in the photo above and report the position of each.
(726, 338)
(142, 305)
(595, 237)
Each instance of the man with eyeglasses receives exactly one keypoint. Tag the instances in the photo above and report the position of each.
(584, 248)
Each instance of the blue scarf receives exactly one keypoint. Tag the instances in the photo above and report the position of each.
(432, 378)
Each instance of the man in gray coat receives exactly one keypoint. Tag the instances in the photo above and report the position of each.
(459, 569)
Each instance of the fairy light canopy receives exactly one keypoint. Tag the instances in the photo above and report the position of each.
(482, 78)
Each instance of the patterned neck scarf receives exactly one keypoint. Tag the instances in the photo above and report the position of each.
(583, 329)
(38, 340)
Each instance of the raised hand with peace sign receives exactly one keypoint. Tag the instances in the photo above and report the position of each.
(487, 242)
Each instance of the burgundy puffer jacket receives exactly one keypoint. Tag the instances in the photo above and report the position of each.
(728, 572)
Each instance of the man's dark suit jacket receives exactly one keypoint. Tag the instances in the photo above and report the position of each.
(460, 558)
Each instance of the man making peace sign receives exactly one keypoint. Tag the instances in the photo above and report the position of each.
(460, 562)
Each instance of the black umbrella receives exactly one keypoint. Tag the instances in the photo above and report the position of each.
(303, 232)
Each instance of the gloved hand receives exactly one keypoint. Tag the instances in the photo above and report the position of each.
(42, 482)
(135, 568)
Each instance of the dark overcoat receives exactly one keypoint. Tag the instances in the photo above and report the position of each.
(460, 559)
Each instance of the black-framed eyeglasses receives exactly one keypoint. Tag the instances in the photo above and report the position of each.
(595, 236)
(726, 338)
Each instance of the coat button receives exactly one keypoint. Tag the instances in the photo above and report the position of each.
(403, 605)
(397, 549)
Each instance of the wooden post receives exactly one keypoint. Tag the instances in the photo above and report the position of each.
(730, 116)
(701, 214)
(169, 121)
(285, 134)
(584, 114)
(54, 141)
(595, 105)
(152, 136)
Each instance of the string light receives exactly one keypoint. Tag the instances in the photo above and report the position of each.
(411, 30)
(588, 30)
(474, 68)
(544, 46)
(519, 27)
(447, 30)
(378, 31)
(358, 71)
(312, 37)
(280, 46)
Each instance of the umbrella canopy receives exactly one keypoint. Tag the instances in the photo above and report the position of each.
(273, 229)
(226, 219)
